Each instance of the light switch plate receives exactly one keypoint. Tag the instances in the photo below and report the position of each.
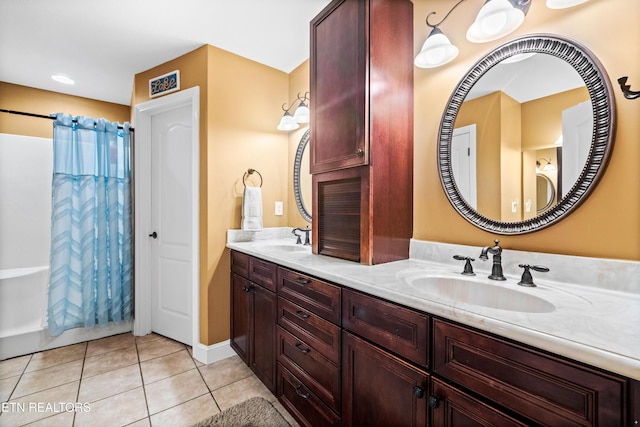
(279, 208)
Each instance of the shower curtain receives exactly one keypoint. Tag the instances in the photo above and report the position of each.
(91, 256)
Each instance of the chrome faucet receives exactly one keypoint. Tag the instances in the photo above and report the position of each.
(496, 268)
(306, 232)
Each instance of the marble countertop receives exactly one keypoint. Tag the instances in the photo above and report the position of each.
(595, 324)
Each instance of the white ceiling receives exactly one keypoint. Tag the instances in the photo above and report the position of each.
(532, 78)
(103, 44)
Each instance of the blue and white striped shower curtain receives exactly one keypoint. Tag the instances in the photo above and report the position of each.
(91, 255)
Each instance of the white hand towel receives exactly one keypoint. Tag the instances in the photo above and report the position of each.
(252, 209)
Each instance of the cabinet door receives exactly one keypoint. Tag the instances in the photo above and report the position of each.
(241, 302)
(263, 336)
(454, 408)
(379, 389)
(338, 86)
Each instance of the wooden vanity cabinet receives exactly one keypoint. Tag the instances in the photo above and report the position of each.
(253, 315)
(542, 388)
(309, 363)
(380, 385)
(361, 149)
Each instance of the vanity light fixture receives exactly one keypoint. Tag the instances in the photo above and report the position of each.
(548, 167)
(496, 19)
(563, 4)
(301, 114)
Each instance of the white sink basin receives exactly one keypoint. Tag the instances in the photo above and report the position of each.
(275, 247)
(479, 293)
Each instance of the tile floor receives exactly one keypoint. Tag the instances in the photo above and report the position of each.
(122, 381)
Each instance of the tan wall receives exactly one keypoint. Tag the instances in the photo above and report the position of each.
(606, 224)
(239, 110)
(37, 101)
(510, 158)
(484, 112)
(547, 110)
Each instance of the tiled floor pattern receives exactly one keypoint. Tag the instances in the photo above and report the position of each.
(122, 381)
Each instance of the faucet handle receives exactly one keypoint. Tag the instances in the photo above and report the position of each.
(527, 278)
(298, 241)
(468, 268)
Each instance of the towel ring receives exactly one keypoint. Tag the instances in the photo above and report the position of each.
(250, 172)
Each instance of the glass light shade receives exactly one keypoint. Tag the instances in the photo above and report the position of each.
(563, 4)
(496, 19)
(302, 113)
(437, 50)
(287, 122)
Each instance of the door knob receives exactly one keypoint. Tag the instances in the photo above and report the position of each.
(154, 235)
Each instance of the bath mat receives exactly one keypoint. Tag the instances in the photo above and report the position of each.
(255, 412)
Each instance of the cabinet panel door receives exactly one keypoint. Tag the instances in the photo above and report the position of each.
(457, 409)
(543, 388)
(379, 389)
(241, 307)
(338, 84)
(263, 336)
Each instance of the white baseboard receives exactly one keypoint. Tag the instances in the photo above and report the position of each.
(212, 353)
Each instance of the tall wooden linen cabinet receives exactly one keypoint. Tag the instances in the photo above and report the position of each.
(362, 129)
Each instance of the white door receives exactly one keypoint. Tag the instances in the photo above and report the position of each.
(166, 170)
(577, 129)
(463, 163)
(171, 220)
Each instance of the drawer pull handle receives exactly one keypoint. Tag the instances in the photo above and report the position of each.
(301, 394)
(433, 402)
(302, 350)
(302, 281)
(302, 314)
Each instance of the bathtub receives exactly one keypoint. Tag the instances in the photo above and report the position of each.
(23, 301)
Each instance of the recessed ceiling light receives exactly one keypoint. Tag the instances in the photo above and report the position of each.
(62, 79)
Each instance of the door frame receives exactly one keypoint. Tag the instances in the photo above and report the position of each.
(142, 208)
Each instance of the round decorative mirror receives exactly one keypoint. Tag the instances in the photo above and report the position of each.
(539, 103)
(301, 177)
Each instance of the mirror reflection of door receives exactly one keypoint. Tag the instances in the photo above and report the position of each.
(577, 126)
(463, 162)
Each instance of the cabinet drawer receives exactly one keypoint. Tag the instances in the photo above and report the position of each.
(312, 294)
(456, 408)
(263, 273)
(305, 406)
(240, 264)
(402, 331)
(316, 371)
(324, 336)
(545, 389)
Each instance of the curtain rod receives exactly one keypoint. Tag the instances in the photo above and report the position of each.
(41, 116)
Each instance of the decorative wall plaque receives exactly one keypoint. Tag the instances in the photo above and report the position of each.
(164, 84)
